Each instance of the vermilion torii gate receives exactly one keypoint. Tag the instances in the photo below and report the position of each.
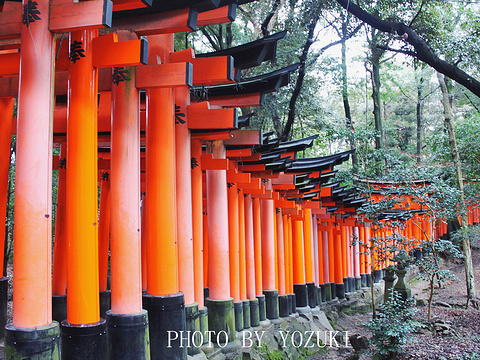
(273, 229)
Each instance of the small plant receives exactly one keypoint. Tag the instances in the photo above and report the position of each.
(392, 326)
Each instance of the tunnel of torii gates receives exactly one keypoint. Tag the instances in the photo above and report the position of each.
(201, 225)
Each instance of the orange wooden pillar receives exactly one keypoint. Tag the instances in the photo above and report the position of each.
(59, 273)
(219, 303)
(345, 256)
(197, 221)
(289, 261)
(242, 260)
(339, 251)
(250, 262)
(32, 289)
(268, 258)
(363, 250)
(325, 288)
(357, 258)
(320, 264)
(281, 250)
(298, 264)
(163, 301)
(205, 249)
(83, 303)
(126, 241)
(234, 254)
(309, 268)
(257, 243)
(332, 269)
(144, 238)
(186, 264)
(104, 240)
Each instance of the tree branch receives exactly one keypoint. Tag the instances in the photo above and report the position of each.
(423, 52)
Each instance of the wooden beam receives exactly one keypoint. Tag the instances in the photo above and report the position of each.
(67, 15)
(109, 52)
(221, 15)
(10, 64)
(209, 163)
(214, 135)
(239, 153)
(244, 137)
(163, 75)
(247, 100)
(122, 5)
(159, 23)
(199, 119)
(237, 177)
(11, 20)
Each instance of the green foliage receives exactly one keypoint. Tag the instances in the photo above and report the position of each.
(430, 264)
(392, 326)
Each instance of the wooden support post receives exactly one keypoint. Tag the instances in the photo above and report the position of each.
(281, 250)
(197, 220)
(242, 245)
(250, 248)
(338, 249)
(144, 238)
(32, 290)
(234, 258)
(298, 264)
(308, 246)
(268, 258)
(59, 273)
(163, 301)
(257, 237)
(126, 243)
(104, 231)
(220, 303)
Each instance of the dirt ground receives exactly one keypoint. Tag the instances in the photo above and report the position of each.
(461, 340)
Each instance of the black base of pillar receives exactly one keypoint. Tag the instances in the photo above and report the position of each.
(85, 341)
(221, 320)
(312, 294)
(352, 286)
(333, 290)
(418, 254)
(294, 303)
(254, 313)
(290, 303)
(32, 343)
(283, 309)
(319, 295)
(262, 311)
(105, 303)
(369, 279)
(328, 291)
(206, 293)
(377, 275)
(59, 307)
(271, 304)
(301, 296)
(246, 314)
(323, 292)
(346, 284)
(363, 280)
(192, 324)
(358, 283)
(128, 336)
(3, 305)
(166, 313)
(340, 291)
(238, 308)
(203, 322)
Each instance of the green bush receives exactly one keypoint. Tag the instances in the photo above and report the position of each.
(392, 326)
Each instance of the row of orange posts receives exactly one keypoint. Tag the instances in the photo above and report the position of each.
(186, 237)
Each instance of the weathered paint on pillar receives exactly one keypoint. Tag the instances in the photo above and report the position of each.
(257, 239)
(249, 248)
(104, 231)
(326, 258)
(281, 253)
(6, 115)
(184, 195)
(197, 220)
(234, 245)
(217, 209)
(33, 176)
(298, 252)
(82, 260)
(242, 245)
(126, 243)
(59, 273)
(307, 237)
(268, 244)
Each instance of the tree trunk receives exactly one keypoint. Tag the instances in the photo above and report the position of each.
(419, 118)
(377, 112)
(346, 103)
(467, 251)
